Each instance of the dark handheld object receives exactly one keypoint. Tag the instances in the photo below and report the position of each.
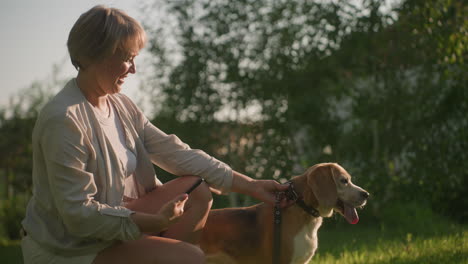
(194, 186)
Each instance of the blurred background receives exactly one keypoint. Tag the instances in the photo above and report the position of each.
(273, 87)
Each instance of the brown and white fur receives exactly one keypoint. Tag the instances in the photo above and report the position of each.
(245, 235)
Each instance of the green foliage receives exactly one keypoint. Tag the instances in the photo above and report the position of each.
(381, 92)
(12, 212)
(16, 125)
(407, 118)
(16, 162)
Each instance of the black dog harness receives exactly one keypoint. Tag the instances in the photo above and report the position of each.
(291, 195)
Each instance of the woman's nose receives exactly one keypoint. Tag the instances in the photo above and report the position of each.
(132, 68)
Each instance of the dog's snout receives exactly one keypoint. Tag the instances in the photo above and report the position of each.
(364, 194)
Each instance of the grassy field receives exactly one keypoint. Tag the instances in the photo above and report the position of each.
(403, 237)
(376, 245)
(409, 233)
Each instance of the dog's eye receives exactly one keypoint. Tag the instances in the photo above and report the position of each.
(344, 181)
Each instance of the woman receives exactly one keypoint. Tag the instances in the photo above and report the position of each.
(95, 196)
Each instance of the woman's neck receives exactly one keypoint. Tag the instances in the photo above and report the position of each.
(91, 90)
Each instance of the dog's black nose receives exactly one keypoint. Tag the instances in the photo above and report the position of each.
(365, 195)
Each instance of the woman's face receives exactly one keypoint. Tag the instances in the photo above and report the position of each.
(111, 72)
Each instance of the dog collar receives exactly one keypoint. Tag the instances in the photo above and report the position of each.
(291, 194)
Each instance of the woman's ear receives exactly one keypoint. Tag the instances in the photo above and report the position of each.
(321, 181)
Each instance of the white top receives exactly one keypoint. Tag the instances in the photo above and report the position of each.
(112, 127)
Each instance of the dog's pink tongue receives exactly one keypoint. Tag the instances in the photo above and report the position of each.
(351, 215)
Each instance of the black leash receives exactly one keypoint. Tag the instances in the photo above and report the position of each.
(194, 186)
(291, 195)
(277, 230)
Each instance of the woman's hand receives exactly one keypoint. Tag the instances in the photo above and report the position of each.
(167, 215)
(263, 190)
(173, 210)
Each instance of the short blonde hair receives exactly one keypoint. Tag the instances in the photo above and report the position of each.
(100, 32)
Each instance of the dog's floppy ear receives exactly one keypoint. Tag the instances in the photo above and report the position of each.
(321, 181)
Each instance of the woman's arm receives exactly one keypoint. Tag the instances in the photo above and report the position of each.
(176, 157)
(171, 154)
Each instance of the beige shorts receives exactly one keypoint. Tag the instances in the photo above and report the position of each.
(33, 253)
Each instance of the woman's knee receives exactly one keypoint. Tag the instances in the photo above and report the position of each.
(194, 255)
(202, 194)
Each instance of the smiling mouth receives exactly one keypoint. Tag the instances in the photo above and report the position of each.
(348, 212)
(122, 79)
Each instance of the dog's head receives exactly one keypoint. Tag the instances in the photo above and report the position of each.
(329, 187)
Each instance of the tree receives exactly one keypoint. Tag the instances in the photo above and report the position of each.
(384, 93)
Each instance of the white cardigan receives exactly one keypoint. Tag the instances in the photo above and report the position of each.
(79, 183)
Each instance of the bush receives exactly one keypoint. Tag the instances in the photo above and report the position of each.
(12, 213)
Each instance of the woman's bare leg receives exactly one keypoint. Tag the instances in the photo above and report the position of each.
(175, 245)
(196, 210)
(151, 250)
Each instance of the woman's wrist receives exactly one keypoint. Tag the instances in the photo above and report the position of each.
(243, 184)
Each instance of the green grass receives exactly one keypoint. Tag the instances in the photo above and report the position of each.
(402, 235)
(409, 234)
(371, 245)
(366, 245)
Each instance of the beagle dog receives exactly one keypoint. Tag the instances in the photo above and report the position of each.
(245, 235)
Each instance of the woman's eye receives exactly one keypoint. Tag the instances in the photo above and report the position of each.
(344, 181)
(128, 59)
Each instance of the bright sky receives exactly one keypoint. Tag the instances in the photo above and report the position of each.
(33, 37)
